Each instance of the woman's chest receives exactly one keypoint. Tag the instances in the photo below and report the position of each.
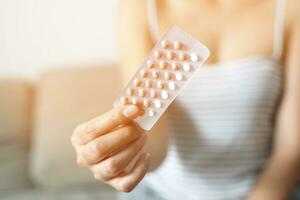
(229, 37)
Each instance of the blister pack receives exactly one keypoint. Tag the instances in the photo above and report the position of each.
(171, 63)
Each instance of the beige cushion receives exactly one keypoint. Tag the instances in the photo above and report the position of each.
(15, 119)
(15, 109)
(65, 99)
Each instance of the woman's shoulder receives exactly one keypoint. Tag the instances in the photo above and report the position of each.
(133, 11)
(133, 6)
(293, 12)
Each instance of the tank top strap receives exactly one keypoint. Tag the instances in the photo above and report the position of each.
(279, 23)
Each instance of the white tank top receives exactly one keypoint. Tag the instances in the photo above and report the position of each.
(221, 126)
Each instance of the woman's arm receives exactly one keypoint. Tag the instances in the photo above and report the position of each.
(135, 44)
(282, 171)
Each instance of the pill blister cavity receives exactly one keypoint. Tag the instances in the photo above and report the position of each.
(168, 76)
(194, 57)
(155, 75)
(175, 66)
(134, 101)
(130, 91)
(151, 113)
(143, 73)
(153, 94)
(141, 92)
(177, 45)
(147, 103)
(160, 84)
(170, 55)
(172, 85)
(163, 65)
(124, 100)
(150, 64)
(157, 54)
(164, 94)
(165, 44)
(137, 82)
(182, 56)
(186, 67)
(157, 103)
(179, 76)
(148, 83)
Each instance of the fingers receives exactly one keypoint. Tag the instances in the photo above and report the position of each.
(133, 162)
(118, 163)
(104, 146)
(96, 127)
(116, 158)
(129, 181)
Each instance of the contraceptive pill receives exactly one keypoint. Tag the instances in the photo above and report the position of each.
(153, 94)
(166, 71)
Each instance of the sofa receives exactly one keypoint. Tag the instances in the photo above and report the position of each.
(37, 118)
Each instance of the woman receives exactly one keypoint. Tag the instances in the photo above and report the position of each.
(234, 130)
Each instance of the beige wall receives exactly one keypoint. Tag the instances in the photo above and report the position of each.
(38, 34)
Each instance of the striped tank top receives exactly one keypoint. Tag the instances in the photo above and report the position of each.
(221, 126)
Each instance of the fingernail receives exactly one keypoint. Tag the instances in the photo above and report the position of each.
(130, 111)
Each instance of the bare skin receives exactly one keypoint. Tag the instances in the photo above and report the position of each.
(235, 30)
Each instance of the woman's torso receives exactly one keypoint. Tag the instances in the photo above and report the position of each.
(221, 124)
(221, 129)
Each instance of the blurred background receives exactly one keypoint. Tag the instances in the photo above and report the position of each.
(38, 35)
(55, 57)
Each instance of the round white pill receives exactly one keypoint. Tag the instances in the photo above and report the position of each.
(172, 85)
(179, 76)
(157, 103)
(186, 67)
(164, 94)
(194, 57)
(151, 113)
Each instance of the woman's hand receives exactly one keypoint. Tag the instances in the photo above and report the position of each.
(111, 146)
